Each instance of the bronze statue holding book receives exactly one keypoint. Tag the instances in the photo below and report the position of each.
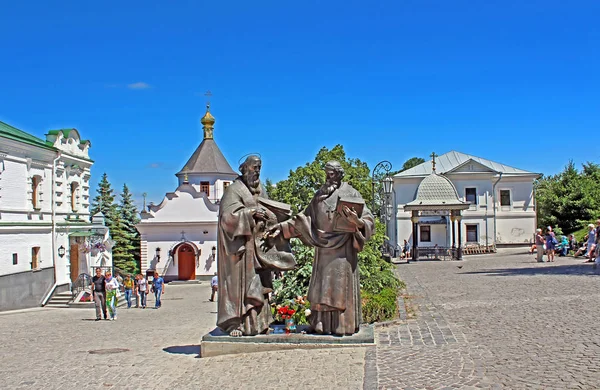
(253, 238)
(337, 223)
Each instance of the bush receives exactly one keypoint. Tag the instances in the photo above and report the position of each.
(380, 307)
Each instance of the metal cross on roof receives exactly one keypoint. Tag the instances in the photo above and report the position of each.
(433, 156)
(208, 94)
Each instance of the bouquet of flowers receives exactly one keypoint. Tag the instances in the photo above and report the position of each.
(285, 312)
(100, 247)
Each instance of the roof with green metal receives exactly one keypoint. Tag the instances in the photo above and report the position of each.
(10, 132)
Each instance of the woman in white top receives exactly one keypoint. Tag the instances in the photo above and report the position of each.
(591, 242)
(112, 289)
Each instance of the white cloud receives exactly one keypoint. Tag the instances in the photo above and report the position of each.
(139, 85)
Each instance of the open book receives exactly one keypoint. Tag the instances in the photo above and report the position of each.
(340, 222)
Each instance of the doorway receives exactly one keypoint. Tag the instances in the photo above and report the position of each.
(186, 260)
(74, 259)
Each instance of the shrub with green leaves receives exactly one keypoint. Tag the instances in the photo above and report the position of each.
(380, 307)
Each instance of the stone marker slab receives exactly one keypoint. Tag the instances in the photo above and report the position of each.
(218, 342)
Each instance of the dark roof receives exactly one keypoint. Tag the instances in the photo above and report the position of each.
(7, 131)
(207, 159)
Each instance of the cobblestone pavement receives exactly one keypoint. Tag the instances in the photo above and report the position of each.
(501, 321)
(154, 349)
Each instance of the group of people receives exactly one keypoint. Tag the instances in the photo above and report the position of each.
(548, 244)
(106, 290)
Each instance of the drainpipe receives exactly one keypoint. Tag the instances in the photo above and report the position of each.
(53, 230)
(494, 204)
(487, 206)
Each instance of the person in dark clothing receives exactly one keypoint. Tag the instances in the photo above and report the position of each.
(99, 293)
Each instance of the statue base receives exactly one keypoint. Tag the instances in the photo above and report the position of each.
(218, 342)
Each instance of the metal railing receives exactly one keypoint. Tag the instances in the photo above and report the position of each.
(438, 253)
(82, 282)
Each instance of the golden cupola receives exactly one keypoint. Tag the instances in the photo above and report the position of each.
(208, 123)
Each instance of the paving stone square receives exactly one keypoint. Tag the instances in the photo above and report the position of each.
(495, 322)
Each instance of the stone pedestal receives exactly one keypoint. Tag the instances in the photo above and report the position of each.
(219, 343)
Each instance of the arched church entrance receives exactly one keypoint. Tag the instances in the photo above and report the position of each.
(186, 262)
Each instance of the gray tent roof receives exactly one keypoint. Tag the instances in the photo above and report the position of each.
(207, 159)
(449, 161)
(436, 192)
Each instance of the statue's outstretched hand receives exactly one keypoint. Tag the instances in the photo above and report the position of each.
(260, 214)
(273, 232)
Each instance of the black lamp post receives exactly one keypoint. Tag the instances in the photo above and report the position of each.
(382, 167)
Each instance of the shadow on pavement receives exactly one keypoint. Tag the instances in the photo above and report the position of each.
(584, 269)
(184, 350)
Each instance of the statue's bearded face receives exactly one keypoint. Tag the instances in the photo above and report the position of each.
(251, 175)
(332, 183)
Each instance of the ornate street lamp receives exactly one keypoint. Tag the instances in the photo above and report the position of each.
(214, 251)
(61, 251)
(158, 254)
(381, 167)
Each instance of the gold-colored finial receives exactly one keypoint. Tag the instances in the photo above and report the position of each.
(208, 121)
(433, 156)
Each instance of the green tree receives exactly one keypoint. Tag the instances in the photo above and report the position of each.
(128, 216)
(412, 162)
(570, 199)
(105, 201)
(123, 248)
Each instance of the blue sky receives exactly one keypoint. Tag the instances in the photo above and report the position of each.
(511, 81)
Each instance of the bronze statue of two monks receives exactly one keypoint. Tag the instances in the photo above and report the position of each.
(253, 239)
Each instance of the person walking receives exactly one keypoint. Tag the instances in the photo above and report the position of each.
(214, 284)
(99, 294)
(112, 289)
(539, 245)
(128, 284)
(159, 289)
(142, 289)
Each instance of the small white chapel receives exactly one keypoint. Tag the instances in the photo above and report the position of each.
(179, 235)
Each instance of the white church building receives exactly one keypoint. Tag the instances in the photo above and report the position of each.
(179, 235)
(500, 202)
(46, 236)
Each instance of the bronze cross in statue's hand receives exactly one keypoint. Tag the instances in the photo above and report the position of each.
(329, 212)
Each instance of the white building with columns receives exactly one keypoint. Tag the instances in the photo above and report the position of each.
(179, 235)
(501, 202)
(46, 236)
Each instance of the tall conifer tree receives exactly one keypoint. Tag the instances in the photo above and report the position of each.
(104, 201)
(129, 216)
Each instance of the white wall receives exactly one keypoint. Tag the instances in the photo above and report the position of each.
(166, 236)
(515, 224)
(21, 242)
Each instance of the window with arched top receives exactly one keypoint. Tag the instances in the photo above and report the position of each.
(74, 186)
(35, 191)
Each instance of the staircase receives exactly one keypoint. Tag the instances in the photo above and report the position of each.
(60, 300)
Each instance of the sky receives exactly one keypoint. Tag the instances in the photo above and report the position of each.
(512, 81)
